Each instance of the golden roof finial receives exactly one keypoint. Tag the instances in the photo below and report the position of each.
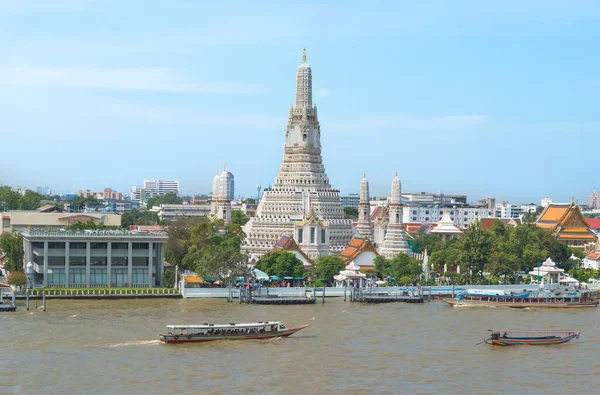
(364, 173)
(224, 166)
(304, 55)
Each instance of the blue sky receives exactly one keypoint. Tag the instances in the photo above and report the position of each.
(484, 98)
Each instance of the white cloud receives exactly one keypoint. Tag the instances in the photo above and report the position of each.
(324, 92)
(139, 79)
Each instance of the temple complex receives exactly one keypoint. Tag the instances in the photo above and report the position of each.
(364, 226)
(567, 223)
(220, 206)
(301, 203)
(394, 236)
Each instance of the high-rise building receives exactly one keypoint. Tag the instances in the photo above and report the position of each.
(301, 203)
(230, 185)
(43, 190)
(153, 188)
(594, 200)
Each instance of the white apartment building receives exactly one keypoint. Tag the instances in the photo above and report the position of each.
(462, 216)
(507, 210)
(172, 212)
(153, 188)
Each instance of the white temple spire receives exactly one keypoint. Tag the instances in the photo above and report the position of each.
(304, 85)
(395, 236)
(364, 210)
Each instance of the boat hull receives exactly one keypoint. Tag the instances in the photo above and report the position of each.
(512, 304)
(168, 339)
(531, 342)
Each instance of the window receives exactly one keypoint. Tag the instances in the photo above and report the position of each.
(304, 137)
(323, 236)
(312, 235)
(300, 234)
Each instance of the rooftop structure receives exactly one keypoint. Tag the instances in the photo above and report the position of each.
(361, 251)
(287, 243)
(567, 223)
(108, 193)
(445, 227)
(30, 220)
(170, 212)
(487, 223)
(301, 202)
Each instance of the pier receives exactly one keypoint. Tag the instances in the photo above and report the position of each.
(281, 296)
(381, 295)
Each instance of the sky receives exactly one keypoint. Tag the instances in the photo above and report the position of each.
(483, 98)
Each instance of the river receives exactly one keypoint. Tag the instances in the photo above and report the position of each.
(110, 346)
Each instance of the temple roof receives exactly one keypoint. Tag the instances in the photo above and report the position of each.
(487, 223)
(287, 243)
(356, 247)
(566, 221)
(594, 223)
(446, 225)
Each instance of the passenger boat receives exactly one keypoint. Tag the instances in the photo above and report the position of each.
(545, 297)
(529, 338)
(208, 332)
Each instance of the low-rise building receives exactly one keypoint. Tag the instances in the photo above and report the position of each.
(350, 200)
(170, 212)
(108, 193)
(27, 220)
(94, 258)
(461, 216)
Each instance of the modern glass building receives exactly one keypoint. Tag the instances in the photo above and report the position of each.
(95, 258)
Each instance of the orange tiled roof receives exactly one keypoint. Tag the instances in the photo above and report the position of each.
(563, 236)
(554, 212)
(194, 279)
(288, 243)
(356, 246)
(594, 223)
(566, 222)
(594, 255)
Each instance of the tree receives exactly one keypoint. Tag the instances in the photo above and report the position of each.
(17, 279)
(224, 262)
(238, 217)
(405, 265)
(281, 263)
(382, 266)
(78, 203)
(168, 278)
(136, 217)
(427, 241)
(476, 244)
(12, 245)
(30, 200)
(167, 198)
(9, 198)
(329, 266)
(350, 212)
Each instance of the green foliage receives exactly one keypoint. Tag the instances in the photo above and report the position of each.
(329, 266)
(78, 203)
(350, 212)
(168, 278)
(427, 241)
(382, 266)
(136, 217)
(584, 275)
(405, 280)
(11, 199)
(404, 265)
(168, 198)
(319, 284)
(17, 279)
(502, 251)
(89, 225)
(12, 245)
(238, 217)
(226, 262)
(281, 263)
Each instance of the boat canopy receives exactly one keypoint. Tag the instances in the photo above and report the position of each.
(232, 325)
(544, 331)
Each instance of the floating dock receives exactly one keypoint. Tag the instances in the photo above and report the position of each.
(281, 296)
(280, 300)
(7, 307)
(386, 297)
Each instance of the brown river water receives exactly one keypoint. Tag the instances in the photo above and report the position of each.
(111, 346)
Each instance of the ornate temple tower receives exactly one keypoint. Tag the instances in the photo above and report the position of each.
(395, 237)
(301, 194)
(364, 211)
(220, 204)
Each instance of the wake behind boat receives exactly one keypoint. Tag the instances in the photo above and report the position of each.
(209, 332)
(529, 338)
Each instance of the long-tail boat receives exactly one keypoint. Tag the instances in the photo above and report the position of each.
(529, 338)
(232, 331)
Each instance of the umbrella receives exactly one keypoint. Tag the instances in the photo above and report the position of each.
(275, 278)
(299, 278)
(288, 278)
(321, 279)
(260, 275)
(380, 282)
